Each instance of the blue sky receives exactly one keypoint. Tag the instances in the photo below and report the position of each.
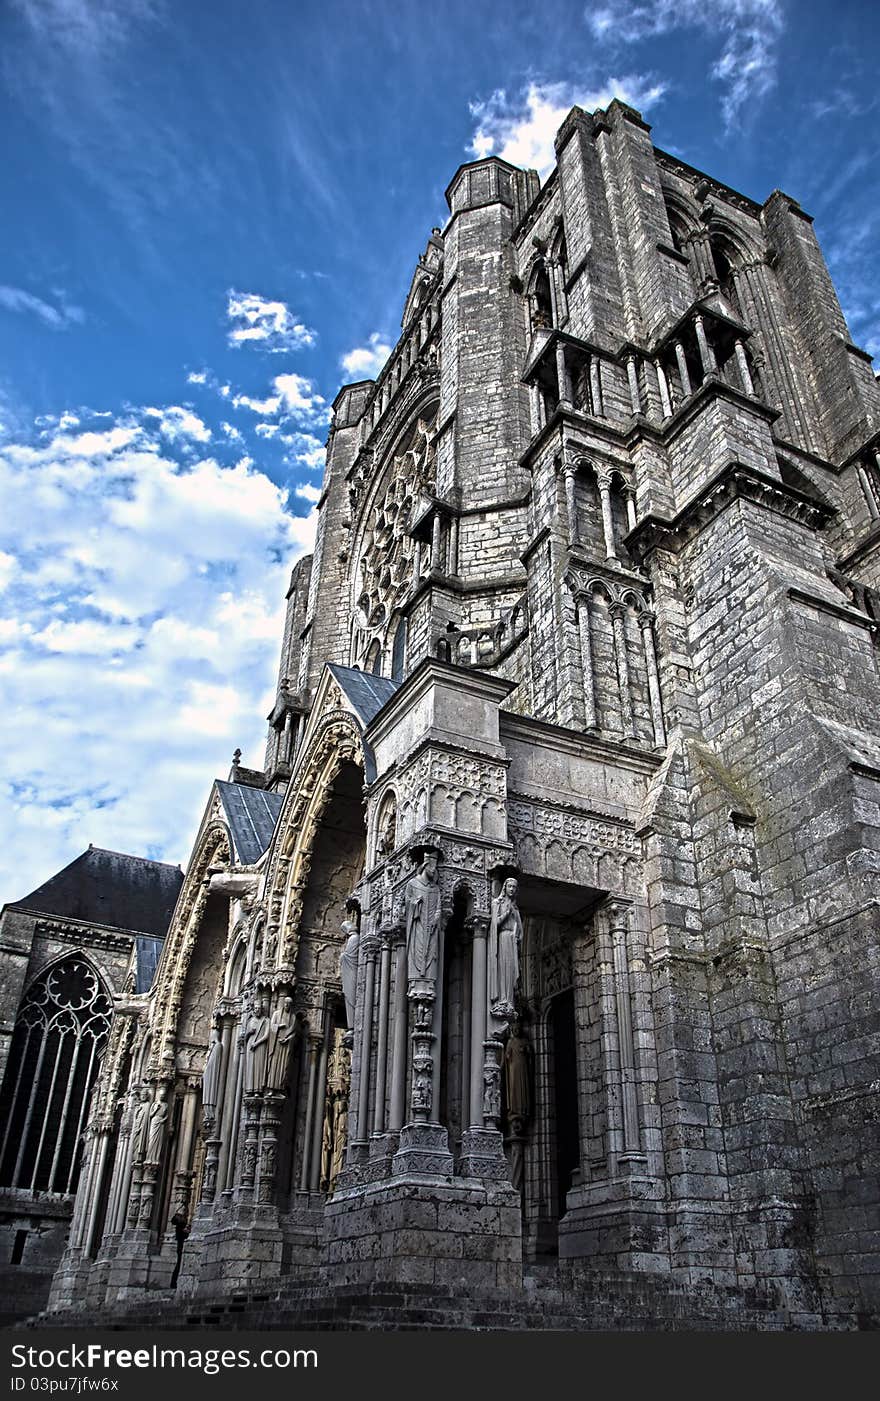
(211, 216)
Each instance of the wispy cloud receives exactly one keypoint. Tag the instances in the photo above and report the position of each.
(264, 324)
(747, 31)
(367, 360)
(520, 126)
(59, 315)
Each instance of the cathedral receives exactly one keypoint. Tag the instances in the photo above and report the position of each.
(534, 977)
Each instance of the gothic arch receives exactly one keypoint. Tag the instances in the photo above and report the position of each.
(336, 742)
(214, 848)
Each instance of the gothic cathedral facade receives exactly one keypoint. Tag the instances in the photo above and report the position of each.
(546, 942)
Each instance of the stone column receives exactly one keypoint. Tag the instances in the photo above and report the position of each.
(314, 1050)
(436, 542)
(320, 1106)
(562, 376)
(707, 354)
(869, 494)
(95, 1193)
(569, 475)
(272, 1104)
(632, 374)
(596, 386)
(379, 1106)
(452, 563)
(183, 1161)
(663, 386)
(618, 616)
(248, 1164)
(683, 374)
(535, 406)
(629, 496)
(604, 483)
(646, 623)
(619, 918)
(742, 361)
(229, 1109)
(368, 951)
(479, 1016)
(398, 1049)
(591, 719)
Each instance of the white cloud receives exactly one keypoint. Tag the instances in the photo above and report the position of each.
(141, 616)
(175, 422)
(748, 32)
(267, 430)
(521, 127)
(305, 449)
(301, 400)
(309, 492)
(59, 317)
(268, 325)
(197, 377)
(366, 361)
(232, 433)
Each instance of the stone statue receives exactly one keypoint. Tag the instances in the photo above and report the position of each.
(141, 1125)
(211, 1076)
(388, 833)
(516, 1069)
(422, 904)
(348, 967)
(156, 1131)
(505, 938)
(281, 1031)
(258, 1048)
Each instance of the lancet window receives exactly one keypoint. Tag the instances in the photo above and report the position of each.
(60, 1034)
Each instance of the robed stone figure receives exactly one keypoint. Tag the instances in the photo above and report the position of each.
(256, 1049)
(281, 1031)
(156, 1132)
(211, 1076)
(505, 939)
(422, 907)
(141, 1125)
(348, 969)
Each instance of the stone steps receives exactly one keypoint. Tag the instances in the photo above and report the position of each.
(595, 1303)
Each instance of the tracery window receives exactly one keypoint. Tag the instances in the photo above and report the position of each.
(59, 1037)
(390, 561)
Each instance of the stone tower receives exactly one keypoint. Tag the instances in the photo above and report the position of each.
(574, 757)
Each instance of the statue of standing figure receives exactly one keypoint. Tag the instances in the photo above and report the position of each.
(156, 1132)
(281, 1032)
(211, 1077)
(256, 1040)
(422, 906)
(348, 969)
(141, 1125)
(505, 939)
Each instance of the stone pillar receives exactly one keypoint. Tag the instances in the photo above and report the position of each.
(368, 951)
(95, 1193)
(663, 386)
(591, 719)
(436, 542)
(562, 376)
(870, 497)
(618, 616)
(596, 386)
(681, 361)
(604, 484)
(314, 1049)
(742, 361)
(183, 1160)
(619, 917)
(272, 1104)
(569, 474)
(398, 1049)
(479, 1011)
(629, 497)
(320, 1106)
(632, 374)
(646, 623)
(707, 354)
(379, 1107)
(452, 562)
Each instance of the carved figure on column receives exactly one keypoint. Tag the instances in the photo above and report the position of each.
(256, 1037)
(281, 1031)
(348, 967)
(211, 1078)
(516, 1067)
(505, 939)
(422, 905)
(141, 1125)
(156, 1132)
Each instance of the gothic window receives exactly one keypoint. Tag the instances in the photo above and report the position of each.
(389, 559)
(541, 300)
(59, 1038)
(723, 263)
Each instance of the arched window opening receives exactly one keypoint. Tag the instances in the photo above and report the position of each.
(60, 1034)
(541, 301)
(723, 264)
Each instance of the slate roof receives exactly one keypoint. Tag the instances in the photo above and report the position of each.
(111, 889)
(367, 693)
(251, 814)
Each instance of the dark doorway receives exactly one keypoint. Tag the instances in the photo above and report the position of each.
(565, 1095)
